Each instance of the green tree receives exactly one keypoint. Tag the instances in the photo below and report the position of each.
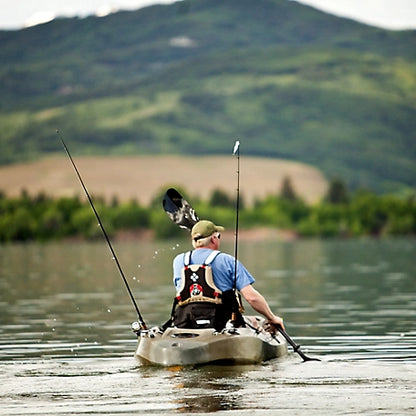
(84, 223)
(51, 223)
(369, 214)
(287, 192)
(163, 227)
(19, 225)
(220, 198)
(337, 192)
(129, 215)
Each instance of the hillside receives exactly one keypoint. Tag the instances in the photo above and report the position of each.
(189, 78)
(142, 178)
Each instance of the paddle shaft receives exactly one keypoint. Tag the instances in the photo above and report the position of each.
(295, 347)
(141, 321)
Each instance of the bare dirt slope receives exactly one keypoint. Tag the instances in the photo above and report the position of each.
(142, 177)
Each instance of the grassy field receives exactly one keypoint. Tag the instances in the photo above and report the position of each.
(143, 177)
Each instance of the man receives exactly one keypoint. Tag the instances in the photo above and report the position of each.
(205, 281)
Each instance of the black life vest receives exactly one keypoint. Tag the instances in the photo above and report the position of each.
(199, 303)
(197, 283)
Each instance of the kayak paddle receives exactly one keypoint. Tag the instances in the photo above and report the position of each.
(295, 347)
(179, 210)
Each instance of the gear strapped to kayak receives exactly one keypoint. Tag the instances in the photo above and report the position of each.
(199, 303)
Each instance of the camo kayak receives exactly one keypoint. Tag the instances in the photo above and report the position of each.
(177, 346)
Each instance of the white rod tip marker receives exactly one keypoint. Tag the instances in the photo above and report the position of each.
(236, 146)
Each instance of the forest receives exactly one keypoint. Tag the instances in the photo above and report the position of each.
(341, 213)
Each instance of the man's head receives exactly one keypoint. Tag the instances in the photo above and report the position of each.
(204, 233)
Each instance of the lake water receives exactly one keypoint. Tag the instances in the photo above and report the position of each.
(66, 346)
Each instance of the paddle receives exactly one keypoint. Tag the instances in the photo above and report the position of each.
(296, 347)
(179, 210)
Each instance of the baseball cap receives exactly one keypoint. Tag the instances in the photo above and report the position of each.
(204, 228)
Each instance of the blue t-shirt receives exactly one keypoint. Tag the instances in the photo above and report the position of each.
(223, 269)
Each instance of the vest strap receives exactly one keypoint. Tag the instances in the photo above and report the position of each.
(207, 262)
(187, 259)
(211, 257)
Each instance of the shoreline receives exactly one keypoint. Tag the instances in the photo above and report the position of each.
(249, 234)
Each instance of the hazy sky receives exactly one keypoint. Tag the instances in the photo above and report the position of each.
(15, 14)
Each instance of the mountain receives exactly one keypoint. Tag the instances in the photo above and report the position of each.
(189, 78)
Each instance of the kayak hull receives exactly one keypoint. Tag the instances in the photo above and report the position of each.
(176, 346)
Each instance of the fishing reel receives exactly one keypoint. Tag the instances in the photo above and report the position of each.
(230, 328)
(141, 331)
(139, 328)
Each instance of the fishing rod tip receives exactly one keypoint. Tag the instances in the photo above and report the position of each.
(236, 146)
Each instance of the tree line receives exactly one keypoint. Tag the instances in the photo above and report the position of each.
(340, 214)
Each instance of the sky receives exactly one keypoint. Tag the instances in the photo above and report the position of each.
(388, 14)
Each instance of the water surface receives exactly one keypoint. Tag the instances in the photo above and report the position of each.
(66, 345)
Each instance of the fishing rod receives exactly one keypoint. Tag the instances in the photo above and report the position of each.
(140, 319)
(239, 306)
(236, 152)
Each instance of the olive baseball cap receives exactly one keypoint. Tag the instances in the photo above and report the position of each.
(204, 228)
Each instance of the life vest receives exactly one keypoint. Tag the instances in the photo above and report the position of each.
(197, 283)
(199, 303)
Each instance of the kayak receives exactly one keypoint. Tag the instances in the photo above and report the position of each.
(250, 344)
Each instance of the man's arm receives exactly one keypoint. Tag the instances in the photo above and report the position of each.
(259, 304)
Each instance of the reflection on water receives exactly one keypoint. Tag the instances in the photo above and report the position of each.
(66, 346)
(208, 389)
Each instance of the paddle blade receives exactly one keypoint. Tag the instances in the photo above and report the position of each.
(179, 210)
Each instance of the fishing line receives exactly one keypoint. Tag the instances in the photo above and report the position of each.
(140, 319)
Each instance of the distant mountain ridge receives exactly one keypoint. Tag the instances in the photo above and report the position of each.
(191, 77)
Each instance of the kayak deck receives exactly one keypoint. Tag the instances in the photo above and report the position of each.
(181, 346)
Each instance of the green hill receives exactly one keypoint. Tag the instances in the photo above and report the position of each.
(191, 77)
